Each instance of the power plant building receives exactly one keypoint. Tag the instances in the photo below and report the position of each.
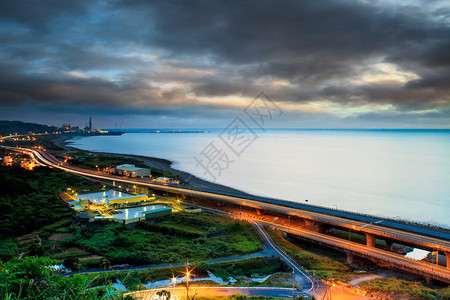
(131, 171)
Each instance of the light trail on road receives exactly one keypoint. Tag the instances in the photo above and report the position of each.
(437, 272)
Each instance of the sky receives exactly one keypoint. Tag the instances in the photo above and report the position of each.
(198, 64)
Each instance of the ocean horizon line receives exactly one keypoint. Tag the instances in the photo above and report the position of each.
(287, 129)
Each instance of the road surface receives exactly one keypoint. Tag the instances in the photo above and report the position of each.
(427, 269)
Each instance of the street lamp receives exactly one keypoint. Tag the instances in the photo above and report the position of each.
(174, 281)
(349, 231)
(187, 284)
(240, 210)
(188, 274)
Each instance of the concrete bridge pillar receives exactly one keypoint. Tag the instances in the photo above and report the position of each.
(314, 226)
(349, 257)
(370, 240)
(447, 255)
(319, 228)
(389, 244)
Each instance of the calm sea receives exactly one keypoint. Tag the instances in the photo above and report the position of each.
(395, 173)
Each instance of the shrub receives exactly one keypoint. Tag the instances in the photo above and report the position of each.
(35, 249)
(72, 263)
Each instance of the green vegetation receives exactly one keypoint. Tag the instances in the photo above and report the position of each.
(29, 199)
(322, 266)
(31, 278)
(29, 202)
(405, 287)
(243, 297)
(102, 160)
(255, 267)
(205, 236)
(8, 248)
(12, 127)
(133, 280)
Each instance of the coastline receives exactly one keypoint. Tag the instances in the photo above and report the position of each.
(62, 142)
(159, 163)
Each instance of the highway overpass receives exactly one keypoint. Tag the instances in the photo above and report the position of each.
(314, 217)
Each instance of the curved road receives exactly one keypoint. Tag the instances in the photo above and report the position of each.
(443, 244)
(425, 237)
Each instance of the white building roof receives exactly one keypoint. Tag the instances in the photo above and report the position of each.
(129, 169)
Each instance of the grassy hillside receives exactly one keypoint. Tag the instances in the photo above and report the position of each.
(170, 239)
(29, 202)
(11, 127)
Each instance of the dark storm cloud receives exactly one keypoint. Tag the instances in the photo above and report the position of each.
(307, 43)
(259, 31)
(38, 14)
(159, 57)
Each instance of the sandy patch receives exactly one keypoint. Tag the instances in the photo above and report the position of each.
(59, 236)
(92, 257)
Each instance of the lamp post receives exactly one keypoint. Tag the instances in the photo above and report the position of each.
(174, 281)
(188, 274)
(187, 284)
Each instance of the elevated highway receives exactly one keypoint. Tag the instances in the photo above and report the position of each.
(378, 255)
(313, 216)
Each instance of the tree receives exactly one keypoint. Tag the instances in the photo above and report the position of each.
(203, 268)
(31, 278)
(106, 264)
(72, 263)
(35, 249)
(122, 241)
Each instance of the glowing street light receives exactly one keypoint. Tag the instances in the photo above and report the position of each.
(187, 284)
(188, 275)
(174, 281)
